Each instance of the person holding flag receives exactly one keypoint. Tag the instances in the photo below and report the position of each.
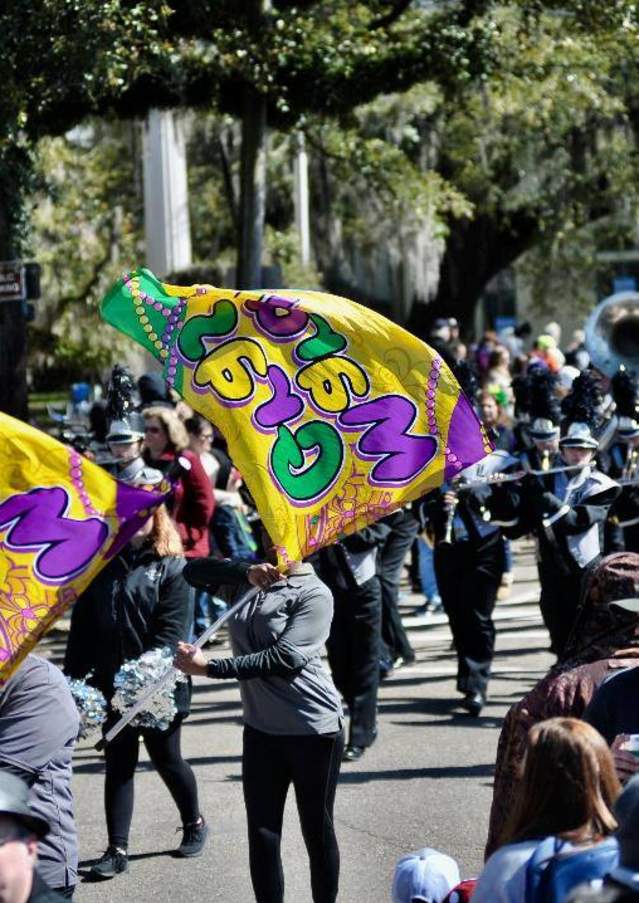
(336, 418)
(292, 711)
(139, 602)
(62, 519)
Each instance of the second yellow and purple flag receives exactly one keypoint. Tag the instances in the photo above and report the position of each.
(62, 519)
(334, 415)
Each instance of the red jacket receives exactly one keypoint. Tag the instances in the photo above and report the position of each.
(192, 505)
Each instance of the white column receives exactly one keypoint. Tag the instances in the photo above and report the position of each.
(301, 198)
(166, 199)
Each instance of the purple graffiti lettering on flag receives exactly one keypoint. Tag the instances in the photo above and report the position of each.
(62, 518)
(37, 521)
(389, 418)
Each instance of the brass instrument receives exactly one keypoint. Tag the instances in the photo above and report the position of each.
(493, 479)
(447, 538)
(497, 478)
(629, 471)
(612, 334)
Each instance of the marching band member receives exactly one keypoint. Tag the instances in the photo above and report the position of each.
(521, 392)
(350, 570)
(469, 562)
(544, 414)
(621, 460)
(567, 510)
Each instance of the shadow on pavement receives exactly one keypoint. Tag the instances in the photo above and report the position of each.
(456, 718)
(222, 719)
(88, 878)
(484, 770)
(97, 767)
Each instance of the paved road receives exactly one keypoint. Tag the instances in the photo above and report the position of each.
(426, 782)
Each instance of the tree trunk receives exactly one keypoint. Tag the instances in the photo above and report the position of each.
(476, 251)
(13, 337)
(252, 189)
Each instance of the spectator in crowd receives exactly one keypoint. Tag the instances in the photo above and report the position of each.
(545, 351)
(231, 531)
(166, 438)
(200, 433)
(459, 351)
(576, 354)
(567, 791)
(138, 602)
(426, 875)
(613, 710)
(439, 337)
(498, 379)
(605, 638)
(483, 351)
(565, 378)
(621, 884)
(515, 338)
(553, 329)
(38, 727)
(20, 831)
(425, 579)
(491, 417)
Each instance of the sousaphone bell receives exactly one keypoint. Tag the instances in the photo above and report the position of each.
(612, 334)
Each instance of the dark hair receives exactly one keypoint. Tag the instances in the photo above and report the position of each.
(568, 784)
(498, 356)
(195, 425)
(98, 421)
(523, 330)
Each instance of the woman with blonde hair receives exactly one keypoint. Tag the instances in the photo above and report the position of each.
(165, 437)
(567, 791)
(138, 602)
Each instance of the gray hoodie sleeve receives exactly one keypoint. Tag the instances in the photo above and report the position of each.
(306, 631)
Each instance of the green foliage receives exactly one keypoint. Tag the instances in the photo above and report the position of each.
(87, 227)
(519, 114)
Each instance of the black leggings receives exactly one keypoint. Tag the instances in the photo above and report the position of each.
(163, 748)
(270, 763)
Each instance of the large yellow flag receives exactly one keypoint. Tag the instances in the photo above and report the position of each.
(62, 518)
(334, 415)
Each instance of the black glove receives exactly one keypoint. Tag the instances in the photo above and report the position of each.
(551, 504)
(480, 495)
(531, 483)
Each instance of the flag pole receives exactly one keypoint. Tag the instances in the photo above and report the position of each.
(149, 693)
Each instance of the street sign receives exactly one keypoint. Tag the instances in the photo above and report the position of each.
(12, 281)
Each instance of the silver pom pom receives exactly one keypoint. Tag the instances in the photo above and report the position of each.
(136, 676)
(91, 706)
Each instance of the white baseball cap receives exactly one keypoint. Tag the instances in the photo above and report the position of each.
(426, 875)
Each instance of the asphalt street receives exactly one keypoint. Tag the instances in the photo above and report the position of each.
(426, 781)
